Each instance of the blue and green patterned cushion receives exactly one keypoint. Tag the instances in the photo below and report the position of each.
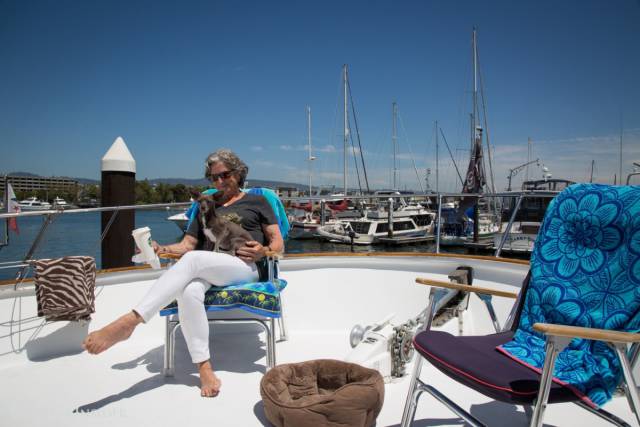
(585, 271)
(258, 297)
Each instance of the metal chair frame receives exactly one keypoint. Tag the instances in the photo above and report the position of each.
(554, 345)
(172, 323)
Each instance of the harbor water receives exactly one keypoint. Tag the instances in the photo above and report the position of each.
(79, 234)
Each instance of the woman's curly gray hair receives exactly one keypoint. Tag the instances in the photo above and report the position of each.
(230, 160)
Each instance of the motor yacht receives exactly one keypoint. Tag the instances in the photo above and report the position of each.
(373, 227)
(34, 204)
(60, 203)
(520, 239)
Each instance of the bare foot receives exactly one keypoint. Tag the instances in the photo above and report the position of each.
(209, 382)
(116, 331)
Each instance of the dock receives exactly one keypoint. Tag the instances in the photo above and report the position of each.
(404, 240)
(482, 244)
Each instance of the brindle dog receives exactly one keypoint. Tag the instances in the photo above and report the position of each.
(227, 236)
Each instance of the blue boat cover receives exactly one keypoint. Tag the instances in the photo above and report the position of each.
(585, 271)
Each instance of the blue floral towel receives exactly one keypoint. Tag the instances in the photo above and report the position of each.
(585, 271)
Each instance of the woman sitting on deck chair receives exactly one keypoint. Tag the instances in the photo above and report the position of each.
(189, 279)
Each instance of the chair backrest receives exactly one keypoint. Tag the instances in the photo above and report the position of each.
(585, 267)
(585, 271)
(270, 195)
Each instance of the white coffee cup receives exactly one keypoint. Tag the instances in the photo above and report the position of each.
(147, 255)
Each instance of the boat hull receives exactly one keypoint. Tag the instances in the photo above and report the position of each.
(301, 230)
(326, 296)
(30, 208)
(180, 220)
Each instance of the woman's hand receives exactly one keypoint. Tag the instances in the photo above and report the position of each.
(187, 244)
(251, 251)
(157, 248)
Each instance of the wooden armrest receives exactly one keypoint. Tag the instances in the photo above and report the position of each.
(465, 288)
(273, 254)
(586, 333)
(166, 255)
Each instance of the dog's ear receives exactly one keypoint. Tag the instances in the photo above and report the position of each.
(194, 193)
(205, 201)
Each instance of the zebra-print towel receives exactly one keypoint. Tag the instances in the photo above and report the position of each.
(65, 287)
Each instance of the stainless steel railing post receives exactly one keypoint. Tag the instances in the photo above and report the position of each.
(508, 229)
(439, 225)
(45, 224)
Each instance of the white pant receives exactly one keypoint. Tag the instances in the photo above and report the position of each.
(187, 281)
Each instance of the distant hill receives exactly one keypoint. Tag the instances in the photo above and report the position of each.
(22, 174)
(190, 182)
(203, 182)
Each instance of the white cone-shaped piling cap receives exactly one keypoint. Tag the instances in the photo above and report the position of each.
(118, 158)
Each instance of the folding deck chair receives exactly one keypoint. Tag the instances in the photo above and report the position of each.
(257, 302)
(578, 312)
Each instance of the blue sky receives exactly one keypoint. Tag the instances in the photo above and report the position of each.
(178, 80)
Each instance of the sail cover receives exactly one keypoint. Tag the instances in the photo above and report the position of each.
(475, 179)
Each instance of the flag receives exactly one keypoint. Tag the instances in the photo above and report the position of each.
(12, 207)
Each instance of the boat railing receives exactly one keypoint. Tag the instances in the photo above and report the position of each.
(153, 206)
(630, 175)
(52, 214)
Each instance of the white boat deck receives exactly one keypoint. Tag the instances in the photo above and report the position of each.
(48, 380)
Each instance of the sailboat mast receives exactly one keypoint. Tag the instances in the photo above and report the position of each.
(394, 139)
(437, 160)
(346, 128)
(310, 158)
(621, 132)
(526, 172)
(475, 85)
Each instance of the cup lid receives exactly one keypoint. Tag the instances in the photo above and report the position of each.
(141, 230)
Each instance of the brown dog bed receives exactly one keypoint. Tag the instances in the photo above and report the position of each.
(322, 393)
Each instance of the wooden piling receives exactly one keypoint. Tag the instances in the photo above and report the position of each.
(118, 189)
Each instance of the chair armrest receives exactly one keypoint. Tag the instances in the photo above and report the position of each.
(466, 288)
(269, 254)
(586, 333)
(273, 254)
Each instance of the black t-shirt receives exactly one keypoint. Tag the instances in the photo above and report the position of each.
(252, 210)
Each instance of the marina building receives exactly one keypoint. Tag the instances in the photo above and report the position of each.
(36, 183)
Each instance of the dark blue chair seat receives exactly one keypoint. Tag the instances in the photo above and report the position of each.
(475, 362)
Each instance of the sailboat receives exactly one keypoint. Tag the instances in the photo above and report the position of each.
(306, 219)
(472, 220)
(404, 223)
